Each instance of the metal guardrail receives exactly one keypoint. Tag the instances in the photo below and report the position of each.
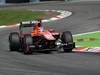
(27, 4)
(46, 2)
(24, 1)
(18, 1)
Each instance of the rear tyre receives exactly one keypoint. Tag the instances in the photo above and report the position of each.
(14, 41)
(67, 39)
(27, 43)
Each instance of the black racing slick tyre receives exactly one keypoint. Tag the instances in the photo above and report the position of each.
(14, 41)
(27, 43)
(68, 40)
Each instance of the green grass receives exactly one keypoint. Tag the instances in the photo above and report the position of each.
(16, 16)
(93, 43)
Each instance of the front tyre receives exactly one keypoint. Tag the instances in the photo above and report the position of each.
(14, 41)
(67, 39)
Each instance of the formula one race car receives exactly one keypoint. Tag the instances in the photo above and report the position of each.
(39, 39)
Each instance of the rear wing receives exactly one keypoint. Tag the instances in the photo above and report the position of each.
(28, 23)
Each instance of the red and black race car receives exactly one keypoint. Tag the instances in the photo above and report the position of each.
(39, 39)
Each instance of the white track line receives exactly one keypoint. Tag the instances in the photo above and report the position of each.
(86, 33)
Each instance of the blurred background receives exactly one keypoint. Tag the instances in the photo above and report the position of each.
(36, 1)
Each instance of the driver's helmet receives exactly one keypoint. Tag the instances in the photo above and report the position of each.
(40, 28)
(39, 25)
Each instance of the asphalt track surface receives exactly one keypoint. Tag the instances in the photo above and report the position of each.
(85, 18)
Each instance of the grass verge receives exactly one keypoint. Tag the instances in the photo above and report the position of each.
(16, 16)
(88, 40)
